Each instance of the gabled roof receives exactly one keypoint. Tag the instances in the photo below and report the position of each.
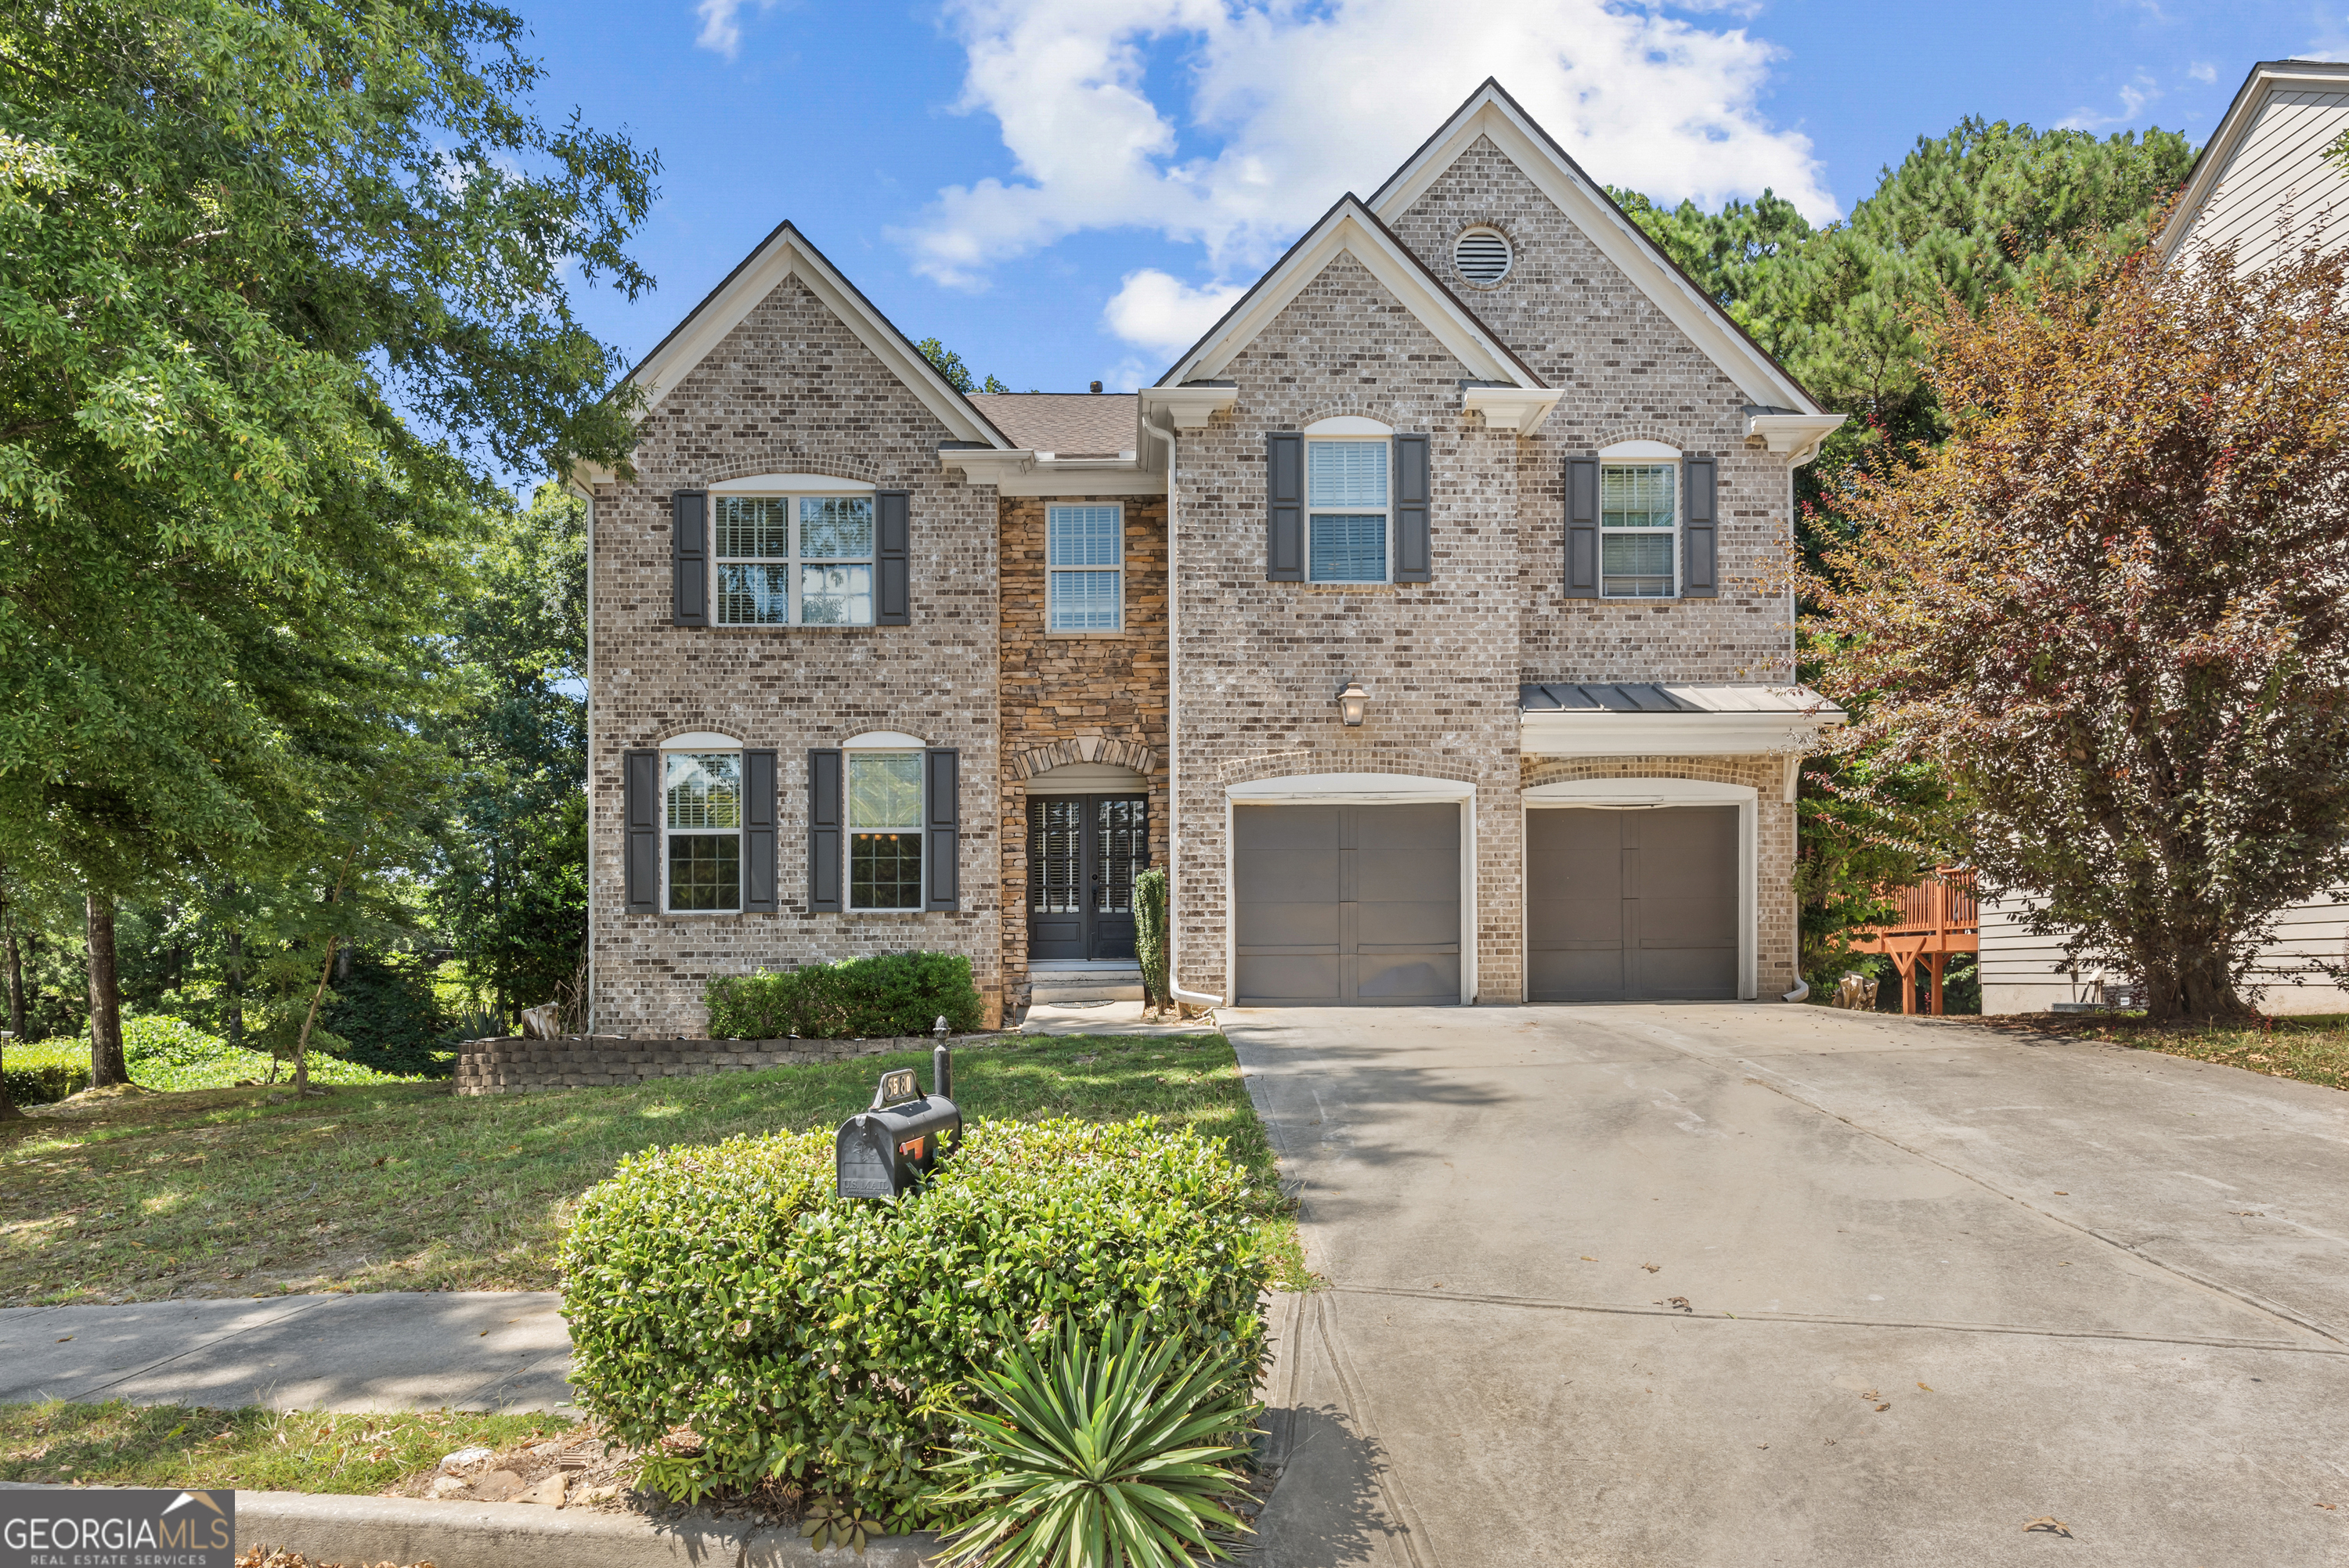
(1351, 228)
(2268, 78)
(786, 254)
(1492, 113)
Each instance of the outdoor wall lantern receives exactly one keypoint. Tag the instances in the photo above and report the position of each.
(1352, 703)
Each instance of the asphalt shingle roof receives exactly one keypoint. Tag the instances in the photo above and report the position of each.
(1066, 424)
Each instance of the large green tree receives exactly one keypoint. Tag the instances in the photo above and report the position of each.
(282, 281)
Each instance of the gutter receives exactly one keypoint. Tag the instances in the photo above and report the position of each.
(1174, 713)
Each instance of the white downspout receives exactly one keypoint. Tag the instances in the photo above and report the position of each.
(1173, 710)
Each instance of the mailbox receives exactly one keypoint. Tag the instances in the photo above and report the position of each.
(884, 1149)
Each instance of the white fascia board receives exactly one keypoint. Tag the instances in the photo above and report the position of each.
(1489, 113)
(1188, 408)
(1358, 788)
(784, 254)
(1587, 734)
(2210, 167)
(1023, 473)
(1350, 229)
(1799, 434)
(1518, 408)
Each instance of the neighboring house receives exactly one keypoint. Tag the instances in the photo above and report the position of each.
(2264, 186)
(878, 666)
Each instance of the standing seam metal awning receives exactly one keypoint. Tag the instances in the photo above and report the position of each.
(1620, 719)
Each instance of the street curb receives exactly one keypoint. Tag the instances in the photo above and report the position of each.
(530, 1535)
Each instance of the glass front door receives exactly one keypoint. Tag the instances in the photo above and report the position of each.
(1083, 853)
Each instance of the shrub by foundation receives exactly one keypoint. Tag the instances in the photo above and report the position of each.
(738, 1322)
(858, 998)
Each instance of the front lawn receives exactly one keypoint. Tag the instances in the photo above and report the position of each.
(408, 1187)
(2312, 1047)
(117, 1444)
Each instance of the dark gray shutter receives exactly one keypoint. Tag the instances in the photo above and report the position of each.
(893, 588)
(827, 825)
(1284, 496)
(1701, 575)
(1414, 546)
(942, 828)
(640, 809)
(1582, 528)
(758, 832)
(688, 557)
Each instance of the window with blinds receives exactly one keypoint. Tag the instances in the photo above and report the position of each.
(1639, 527)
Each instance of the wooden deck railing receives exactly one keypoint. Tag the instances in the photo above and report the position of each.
(1936, 916)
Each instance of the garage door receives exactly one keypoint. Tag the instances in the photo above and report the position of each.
(1631, 906)
(1346, 904)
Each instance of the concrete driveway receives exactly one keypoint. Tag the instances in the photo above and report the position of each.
(1767, 1285)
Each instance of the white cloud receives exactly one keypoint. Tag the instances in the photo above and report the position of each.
(1295, 104)
(1154, 310)
(2133, 96)
(720, 30)
(2203, 71)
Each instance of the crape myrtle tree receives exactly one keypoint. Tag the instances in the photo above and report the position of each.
(237, 239)
(2112, 609)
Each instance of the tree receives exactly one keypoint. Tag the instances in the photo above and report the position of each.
(2109, 610)
(236, 238)
(950, 366)
(514, 890)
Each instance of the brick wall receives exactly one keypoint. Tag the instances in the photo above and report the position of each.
(1089, 698)
(790, 390)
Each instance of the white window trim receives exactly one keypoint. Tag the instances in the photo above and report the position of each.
(1643, 455)
(1118, 569)
(1386, 445)
(822, 490)
(854, 752)
(1633, 793)
(700, 743)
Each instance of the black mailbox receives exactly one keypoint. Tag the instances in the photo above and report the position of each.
(883, 1150)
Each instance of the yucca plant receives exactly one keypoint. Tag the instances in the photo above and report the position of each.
(1101, 1459)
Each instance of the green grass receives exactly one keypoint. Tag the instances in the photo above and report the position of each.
(2310, 1047)
(217, 1068)
(406, 1187)
(117, 1444)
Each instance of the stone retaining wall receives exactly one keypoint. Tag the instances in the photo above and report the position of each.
(602, 1061)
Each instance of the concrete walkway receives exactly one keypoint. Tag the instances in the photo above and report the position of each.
(1766, 1284)
(407, 1350)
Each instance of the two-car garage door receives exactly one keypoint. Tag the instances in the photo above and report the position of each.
(1360, 905)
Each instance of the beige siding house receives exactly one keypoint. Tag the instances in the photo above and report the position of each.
(2262, 185)
(1427, 619)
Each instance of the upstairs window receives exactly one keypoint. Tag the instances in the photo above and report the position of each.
(885, 830)
(1084, 562)
(1638, 525)
(1347, 512)
(702, 796)
(793, 560)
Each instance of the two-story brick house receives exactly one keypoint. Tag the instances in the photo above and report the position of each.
(1428, 620)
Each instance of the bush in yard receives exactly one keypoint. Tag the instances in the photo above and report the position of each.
(734, 1320)
(42, 1072)
(861, 998)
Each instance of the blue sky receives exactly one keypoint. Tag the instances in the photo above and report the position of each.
(1066, 190)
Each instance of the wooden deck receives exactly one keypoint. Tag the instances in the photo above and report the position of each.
(1937, 917)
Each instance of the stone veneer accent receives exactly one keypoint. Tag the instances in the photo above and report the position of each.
(1077, 698)
(603, 1061)
(790, 390)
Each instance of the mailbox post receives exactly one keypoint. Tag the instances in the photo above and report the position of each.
(887, 1147)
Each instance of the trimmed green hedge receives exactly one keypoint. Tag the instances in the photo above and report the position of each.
(857, 998)
(42, 1072)
(725, 1292)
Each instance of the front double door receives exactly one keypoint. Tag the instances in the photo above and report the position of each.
(1083, 853)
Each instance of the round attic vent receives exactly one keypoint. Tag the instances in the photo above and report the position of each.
(1482, 255)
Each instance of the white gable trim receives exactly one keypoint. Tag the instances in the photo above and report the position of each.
(1348, 229)
(2267, 79)
(784, 254)
(1490, 112)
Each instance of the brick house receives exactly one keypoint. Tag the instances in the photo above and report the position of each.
(1426, 620)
